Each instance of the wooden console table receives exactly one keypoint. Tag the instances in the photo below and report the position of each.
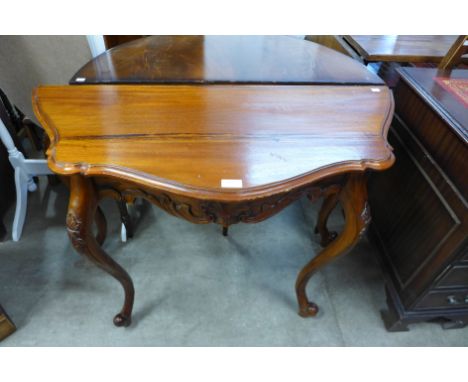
(220, 153)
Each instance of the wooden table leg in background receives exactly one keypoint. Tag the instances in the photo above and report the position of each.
(6, 325)
(353, 198)
(82, 213)
(329, 203)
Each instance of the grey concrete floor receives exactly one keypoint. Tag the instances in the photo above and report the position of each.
(195, 287)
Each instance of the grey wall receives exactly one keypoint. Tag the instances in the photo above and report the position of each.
(28, 61)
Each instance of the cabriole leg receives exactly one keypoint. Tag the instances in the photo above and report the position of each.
(329, 203)
(82, 210)
(353, 198)
(101, 224)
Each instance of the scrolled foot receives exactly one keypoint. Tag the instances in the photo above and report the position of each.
(309, 310)
(121, 320)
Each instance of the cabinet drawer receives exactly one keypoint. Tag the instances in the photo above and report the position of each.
(457, 276)
(436, 299)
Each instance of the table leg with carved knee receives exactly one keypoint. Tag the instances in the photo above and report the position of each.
(353, 198)
(82, 212)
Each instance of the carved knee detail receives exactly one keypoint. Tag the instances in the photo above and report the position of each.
(76, 232)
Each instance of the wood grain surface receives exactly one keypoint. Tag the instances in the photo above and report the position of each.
(186, 139)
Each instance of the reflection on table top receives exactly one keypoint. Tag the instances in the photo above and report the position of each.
(223, 59)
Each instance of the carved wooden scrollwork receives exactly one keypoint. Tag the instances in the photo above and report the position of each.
(75, 229)
(254, 211)
(223, 213)
(365, 218)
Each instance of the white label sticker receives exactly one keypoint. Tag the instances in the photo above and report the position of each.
(231, 183)
(80, 79)
(375, 90)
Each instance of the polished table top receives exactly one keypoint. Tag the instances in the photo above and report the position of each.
(187, 139)
(223, 59)
(401, 48)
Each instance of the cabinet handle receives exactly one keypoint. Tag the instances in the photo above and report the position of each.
(466, 299)
(452, 300)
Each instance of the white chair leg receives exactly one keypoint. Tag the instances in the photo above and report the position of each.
(123, 233)
(21, 183)
(32, 186)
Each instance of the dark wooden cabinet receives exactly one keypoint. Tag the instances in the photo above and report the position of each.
(419, 206)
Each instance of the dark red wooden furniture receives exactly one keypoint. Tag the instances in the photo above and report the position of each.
(420, 206)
